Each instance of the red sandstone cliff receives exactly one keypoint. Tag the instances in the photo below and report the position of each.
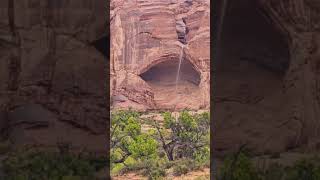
(267, 79)
(146, 41)
(52, 78)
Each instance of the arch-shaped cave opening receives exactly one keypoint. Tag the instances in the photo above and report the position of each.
(253, 54)
(162, 77)
(253, 57)
(102, 45)
(248, 35)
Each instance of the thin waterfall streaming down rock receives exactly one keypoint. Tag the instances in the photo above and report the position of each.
(177, 77)
(179, 67)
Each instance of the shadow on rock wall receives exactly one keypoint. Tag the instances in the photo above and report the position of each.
(267, 78)
(53, 73)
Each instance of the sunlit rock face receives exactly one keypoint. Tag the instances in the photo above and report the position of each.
(50, 58)
(146, 46)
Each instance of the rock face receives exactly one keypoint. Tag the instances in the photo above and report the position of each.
(49, 66)
(271, 64)
(148, 38)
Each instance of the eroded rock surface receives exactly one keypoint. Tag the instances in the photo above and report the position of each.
(49, 66)
(267, 77)
(146, 44)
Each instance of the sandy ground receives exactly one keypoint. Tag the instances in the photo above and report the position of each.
(167, 96)
(204, 174)
(131, 176)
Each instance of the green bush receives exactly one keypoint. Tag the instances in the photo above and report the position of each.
(183, 166)
(155, 168)
(187, 134)
(238, 167)
(274, 171)
(133, 128)
(157, 173)
(180, 169)
(202, 156)
(144, 146)
(130, 162)
(129, 146)
(116, 154)
(117, 168)
(40, 165)
(307, 169)
(133, 149)
(303, 170)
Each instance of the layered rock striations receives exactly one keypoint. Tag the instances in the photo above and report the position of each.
(146, 43)
(267, 77)
(50, 67)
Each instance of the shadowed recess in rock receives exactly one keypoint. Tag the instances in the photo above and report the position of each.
(102, 45)
(254, 57)
(248, 36)
(162, 79)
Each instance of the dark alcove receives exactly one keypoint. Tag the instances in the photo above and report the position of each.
(162, 79)
(247, 35)
(252, 58)
(102, 45)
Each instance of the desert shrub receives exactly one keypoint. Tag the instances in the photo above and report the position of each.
(238, 167)
(180, 169)
(306, 169)
(143, 146)
(156, 173)
(155, 168)
(183, 166)
(170, 164)
(123, 124)
(157, 150)
(303, 170)
(117, 168)
(184, 136)
(116, 154)
(202, 156)
(4, 147)
(130, 162)
(44, 165)
(129, 146)
(274, 171)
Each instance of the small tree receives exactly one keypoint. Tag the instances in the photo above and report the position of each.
(128, 143)
(122, 122)
(184, 136)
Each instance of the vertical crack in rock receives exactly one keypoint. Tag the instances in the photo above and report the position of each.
(181, 30)
(51, 56)
(51, 36)
(11, 16)
(15, 61)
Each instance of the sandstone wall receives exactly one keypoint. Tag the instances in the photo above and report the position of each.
(267, 78)
(47, 58)
(145, 33)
